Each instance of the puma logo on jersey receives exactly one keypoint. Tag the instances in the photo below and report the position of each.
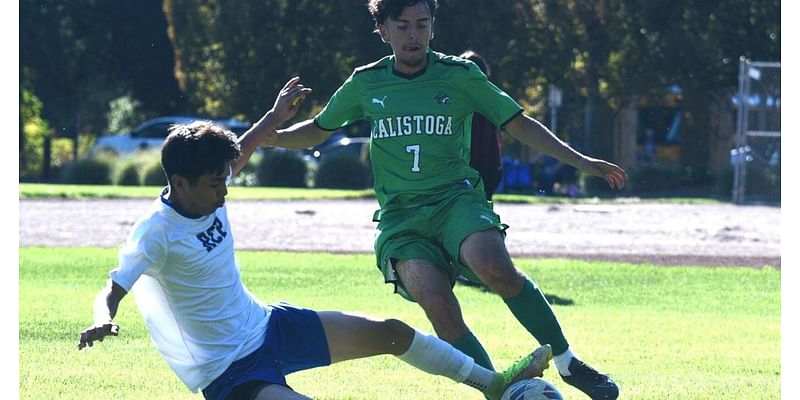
(487, 218)
(212, 236)
(442, 98)
(376, 101)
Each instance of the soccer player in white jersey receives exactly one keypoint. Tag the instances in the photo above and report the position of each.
(213, 333)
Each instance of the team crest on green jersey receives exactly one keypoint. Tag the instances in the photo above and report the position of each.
(442, 98)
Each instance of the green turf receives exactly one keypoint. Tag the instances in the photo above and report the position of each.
(49, 191)
(45, 191)
(663, 332)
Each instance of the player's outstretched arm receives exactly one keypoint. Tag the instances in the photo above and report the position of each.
(535, 135)
(106, 305)
(301, 135)
(264, 132)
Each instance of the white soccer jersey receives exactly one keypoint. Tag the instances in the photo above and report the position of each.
(188, 289)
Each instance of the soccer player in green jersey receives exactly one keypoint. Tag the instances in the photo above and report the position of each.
(434, 221)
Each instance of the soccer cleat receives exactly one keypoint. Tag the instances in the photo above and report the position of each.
(595, 384)
(527, 367)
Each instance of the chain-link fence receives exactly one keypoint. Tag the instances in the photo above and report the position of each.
(756, 158)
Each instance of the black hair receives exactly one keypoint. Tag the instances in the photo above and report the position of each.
(478, 60)
(382, 9)
(197, 149)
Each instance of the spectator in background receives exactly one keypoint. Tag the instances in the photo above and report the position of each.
(486, 150)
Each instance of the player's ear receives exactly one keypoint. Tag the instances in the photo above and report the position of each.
(178, 182)
(382, 32)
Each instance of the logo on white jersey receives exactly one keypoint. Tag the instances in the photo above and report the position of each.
(212, 236)
(376, 101)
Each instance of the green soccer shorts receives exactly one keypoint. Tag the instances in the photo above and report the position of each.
(433, 233)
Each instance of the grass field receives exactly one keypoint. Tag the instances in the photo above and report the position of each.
(663, 333)
(49, 191)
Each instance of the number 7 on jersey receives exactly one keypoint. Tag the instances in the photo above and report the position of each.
(414, 149)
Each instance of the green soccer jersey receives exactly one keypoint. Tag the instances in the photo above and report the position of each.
(420, 125)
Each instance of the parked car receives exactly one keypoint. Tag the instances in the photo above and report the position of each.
(151, 134)
(337, 144)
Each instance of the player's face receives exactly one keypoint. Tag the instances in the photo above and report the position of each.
(208, 193)
(409, 35)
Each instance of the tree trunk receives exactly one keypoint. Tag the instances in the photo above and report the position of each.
(695, 132)
(46, 158)
(626, 126)
(723, 133)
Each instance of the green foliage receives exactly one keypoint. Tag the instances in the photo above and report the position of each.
(127, 175)
(34, 131)
(130, 170)
(229, 58)
(123, 114)
(247, 175)
(88, 171)
(343, 172)
(153, 175)
(282, 168)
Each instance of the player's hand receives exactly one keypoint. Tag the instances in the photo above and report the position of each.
(289, 99)
(97, 332)
(613, 174)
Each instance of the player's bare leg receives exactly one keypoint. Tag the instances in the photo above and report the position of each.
(431, 289)
(352, 336)
(485, 253)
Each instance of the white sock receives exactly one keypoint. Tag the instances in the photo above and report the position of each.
(435, 356)
(562, 362)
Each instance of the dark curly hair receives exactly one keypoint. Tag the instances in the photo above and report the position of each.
(197, 149)
(382, 9)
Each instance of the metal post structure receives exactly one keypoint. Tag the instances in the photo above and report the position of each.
(763, 100)
(737, 194)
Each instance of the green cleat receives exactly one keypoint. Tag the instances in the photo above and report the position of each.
(527, 367)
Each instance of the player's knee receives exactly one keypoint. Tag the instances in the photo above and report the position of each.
(504, 280)
(436, 302)
(398, 334)
(397, 328)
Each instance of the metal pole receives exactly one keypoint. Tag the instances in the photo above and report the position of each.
(745, 127)
(735, 158)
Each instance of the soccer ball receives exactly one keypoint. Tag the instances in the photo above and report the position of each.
(532, 389)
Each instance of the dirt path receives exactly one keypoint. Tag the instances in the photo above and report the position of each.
(668, 234)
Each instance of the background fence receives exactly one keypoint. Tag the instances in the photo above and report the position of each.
(756, 158)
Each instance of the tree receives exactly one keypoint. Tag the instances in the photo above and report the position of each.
(78, 56)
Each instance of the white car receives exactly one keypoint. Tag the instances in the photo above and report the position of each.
(151, 134)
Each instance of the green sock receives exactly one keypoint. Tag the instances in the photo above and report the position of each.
(534, 313)
(469, 345)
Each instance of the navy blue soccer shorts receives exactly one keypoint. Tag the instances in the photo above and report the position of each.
(294, 341)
